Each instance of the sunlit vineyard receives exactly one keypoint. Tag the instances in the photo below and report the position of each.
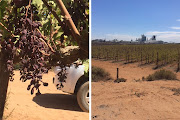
(158, 54)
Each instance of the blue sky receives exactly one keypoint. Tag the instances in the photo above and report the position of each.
(128, 19)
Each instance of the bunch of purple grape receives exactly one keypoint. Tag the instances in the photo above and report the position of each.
(30, 46)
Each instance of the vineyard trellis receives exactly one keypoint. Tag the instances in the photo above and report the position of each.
(158, 54)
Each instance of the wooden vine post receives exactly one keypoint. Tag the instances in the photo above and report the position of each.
(117, 73)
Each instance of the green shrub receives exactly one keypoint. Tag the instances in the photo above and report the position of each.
(162, 74)
(99, 74)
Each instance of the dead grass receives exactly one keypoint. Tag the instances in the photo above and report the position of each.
(139, 94)
(162, 74)
(99, 74)
(120, 80)
(176, 91)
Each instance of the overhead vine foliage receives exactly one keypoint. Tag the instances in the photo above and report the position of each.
(59, 33)
(34, 37)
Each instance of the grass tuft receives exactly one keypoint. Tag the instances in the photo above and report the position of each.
(120, 80)
(162, 74)
(99, 74)
(176, 91)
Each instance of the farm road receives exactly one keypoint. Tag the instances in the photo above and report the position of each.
(51, 105)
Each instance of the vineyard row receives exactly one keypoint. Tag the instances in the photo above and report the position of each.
(160, 54)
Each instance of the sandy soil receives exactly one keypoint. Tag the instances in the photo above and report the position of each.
(51, 105)
(134, 100)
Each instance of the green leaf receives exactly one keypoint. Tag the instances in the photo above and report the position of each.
(39, 3)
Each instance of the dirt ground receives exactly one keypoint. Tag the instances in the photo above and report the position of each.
(134, 99)
(51, 105)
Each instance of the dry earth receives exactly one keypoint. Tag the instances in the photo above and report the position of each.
(51, 105)
(134, 100)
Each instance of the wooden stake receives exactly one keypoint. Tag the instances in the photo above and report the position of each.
(117, 73)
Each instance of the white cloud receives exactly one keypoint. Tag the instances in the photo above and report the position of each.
(120, 37)
(168, 36)
(115, 36)
(178, 20)
(176, 28)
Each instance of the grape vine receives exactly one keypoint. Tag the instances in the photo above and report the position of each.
(23, 38)
(39, 35)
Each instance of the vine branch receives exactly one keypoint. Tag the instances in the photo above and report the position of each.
(52, 34)
(28, 7)
(52, 11)
(1, 24)
(44, 38)
(68, 21)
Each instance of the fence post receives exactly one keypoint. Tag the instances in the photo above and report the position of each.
(117, 73)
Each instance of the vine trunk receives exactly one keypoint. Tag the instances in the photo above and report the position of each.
(4, 80)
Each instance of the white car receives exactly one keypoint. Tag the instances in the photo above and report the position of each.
(75, 83)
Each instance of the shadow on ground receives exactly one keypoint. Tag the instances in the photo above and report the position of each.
(58, 101)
